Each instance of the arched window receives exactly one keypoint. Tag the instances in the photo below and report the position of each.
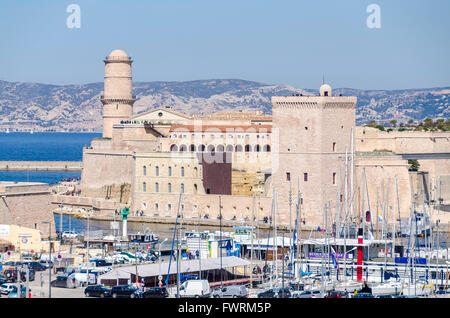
(144, 187)
(174, 148)
(248, 148)
(230, 148)
(156, 187)
(195, 172)
(170, 171)
(238, 148)
(192, 148)
(182, 171)
(182, 188)
(144, 170)
(266, 148)
(156, 207)
(183, 148)
(169, 207)
(257, 148)
(169, 187)
(219, 148)
(210, 148)
(195, 188)
(157, 171)
(202, 148)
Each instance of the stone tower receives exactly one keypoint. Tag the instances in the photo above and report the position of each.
(117, 99)
(312, 134)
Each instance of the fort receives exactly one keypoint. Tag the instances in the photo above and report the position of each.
(238, 166)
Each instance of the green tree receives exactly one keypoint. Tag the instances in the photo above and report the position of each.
(414, 165)
(393, 122)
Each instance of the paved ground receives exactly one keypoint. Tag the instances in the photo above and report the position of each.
(39, 288)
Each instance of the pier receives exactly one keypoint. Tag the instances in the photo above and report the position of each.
(76, 166)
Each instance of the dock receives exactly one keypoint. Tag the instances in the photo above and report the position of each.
(75, 166)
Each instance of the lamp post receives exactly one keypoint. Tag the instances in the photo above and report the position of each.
(50, 258)
(159, 256)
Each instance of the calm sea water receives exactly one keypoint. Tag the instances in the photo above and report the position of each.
(42, 147)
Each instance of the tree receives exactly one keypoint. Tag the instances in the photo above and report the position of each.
(393, 122)
(414, 165)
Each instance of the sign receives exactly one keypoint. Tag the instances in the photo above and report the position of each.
(4, 230)
(114, 225)
(324, 255)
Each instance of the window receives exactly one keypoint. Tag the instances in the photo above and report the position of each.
(288, 176)
(170, 171)
(182, 188)
(182, 171)
(144, 170)
(266, 148)
(257, 148)
(169, 207)
(157, 171)
(174, 148)
(248, 148)
(238, 148)
(156, 187)
(169, 187)
(195, 188)
(156, 207)
(305, 177)
(192, 148)
(334, 177)
(219, 148)
(144, 187)
(229, 148)
(334, 147)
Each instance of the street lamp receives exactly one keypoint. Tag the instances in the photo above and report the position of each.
(159, 255)
(50, 259)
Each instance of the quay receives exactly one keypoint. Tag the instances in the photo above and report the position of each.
(75, 166)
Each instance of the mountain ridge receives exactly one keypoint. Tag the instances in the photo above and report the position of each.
(77, 107)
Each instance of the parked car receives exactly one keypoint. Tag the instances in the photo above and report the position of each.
(70, 234)
(12, 263)
(156, 292)
(101, 262)
(3, 280)
(363, 295)
(123, 291)
(97, 291)
(195, 288)
(23, 292)
(46, 263)
(336, 294)
(60, 281)
(275, 293)
(234, 291)
(6, 288)
(384, 296)
(11, 275)
(36, 266)
(307, 294)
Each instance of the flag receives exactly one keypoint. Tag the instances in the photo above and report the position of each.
(333, 257)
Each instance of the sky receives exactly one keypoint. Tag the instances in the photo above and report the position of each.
(269, 41)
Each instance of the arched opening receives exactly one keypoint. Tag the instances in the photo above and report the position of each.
(183, 148)
(182, 171)
(266, 148)
(192, 148)
(156, 187)
(230, 148)
(248, 148)
(174, 148)
(144, 187)
(144, 170)
(238, 148)
(211, 148)
(201, 148)
(257, 148)
(220, 148)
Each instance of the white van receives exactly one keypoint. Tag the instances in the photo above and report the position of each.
(195, 288)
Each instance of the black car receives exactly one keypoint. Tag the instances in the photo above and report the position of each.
(60, 281)
(275, 293)
(101, 262)
(123, 291)
(156, 292)
(36, 266)
(97, 291)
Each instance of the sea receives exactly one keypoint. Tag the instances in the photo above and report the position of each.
(42, 146)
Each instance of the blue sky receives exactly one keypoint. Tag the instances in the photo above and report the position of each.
(275, 42)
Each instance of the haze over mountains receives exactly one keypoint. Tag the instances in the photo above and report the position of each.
(41, 107)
